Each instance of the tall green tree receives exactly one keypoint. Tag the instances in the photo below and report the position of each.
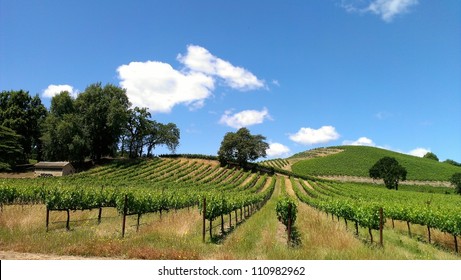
(103, 113)
(388, 169)
(10, 150)
(455, 180)
(242, 147)
(63, 135)
(142, 132)
(24, 115)
(137, 128)
(162, 134)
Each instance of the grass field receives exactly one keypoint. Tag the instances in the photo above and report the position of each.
(177, 234)
(357, 160)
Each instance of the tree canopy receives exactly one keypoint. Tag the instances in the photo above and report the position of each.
(388, 169)
(10, 150)
(241, 147)
(23, 114)
(142, 132)
(97, 123)
(455, 180)
(431, 155)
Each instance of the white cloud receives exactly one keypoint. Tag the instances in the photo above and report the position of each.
(386, 9)
(419, 152)
(244, 118)
(362, 141)
(53, 90)
(277, 150)
(160, 87)
(310, 136)
(199, 59)
(383, 115)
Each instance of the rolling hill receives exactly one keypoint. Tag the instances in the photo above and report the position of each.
(357, 160)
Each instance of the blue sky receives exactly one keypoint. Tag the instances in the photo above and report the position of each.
(304, 74)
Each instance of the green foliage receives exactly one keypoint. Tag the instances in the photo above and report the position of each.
(431, 155)
(144, 186)
(142, 132)
(24, 115)
(356, 161)
(452, 162)
(361, 204)
(389, 170)
(10, 150)
(455, 180)
(286, 209)
(241, 147)
(63, 135)
(103, 115)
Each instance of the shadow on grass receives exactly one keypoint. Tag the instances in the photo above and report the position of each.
(220, 238)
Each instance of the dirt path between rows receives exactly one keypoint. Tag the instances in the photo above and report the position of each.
(10, 255)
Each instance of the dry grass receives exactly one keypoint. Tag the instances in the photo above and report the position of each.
(177, 235)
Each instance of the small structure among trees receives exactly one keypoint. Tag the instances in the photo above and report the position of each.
(56, 168)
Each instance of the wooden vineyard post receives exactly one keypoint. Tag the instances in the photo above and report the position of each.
(100, 207)
(137, 224)
(204, 219)
(429, 233)
(68, 220)
(456, 243)
(289, 224)
(47, 217)
(124, 215)
(99, 215)
(409, 229)
(222, 224)
(211, 229)
(381, 226)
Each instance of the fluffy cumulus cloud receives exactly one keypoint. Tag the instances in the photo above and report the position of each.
(310, 136)
(53, 90)
(362, 141)
(199, 59)
(419, 152)
(386, 9)
(244, 118)
(277, 150)
(160, 87)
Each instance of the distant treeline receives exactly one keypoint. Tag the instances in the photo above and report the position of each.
(99, 122)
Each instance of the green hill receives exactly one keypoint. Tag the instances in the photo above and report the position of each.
(357, 160)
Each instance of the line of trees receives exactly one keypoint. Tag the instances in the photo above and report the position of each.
(98, 122)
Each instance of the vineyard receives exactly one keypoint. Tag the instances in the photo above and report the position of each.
(188, 205)
(357, 160)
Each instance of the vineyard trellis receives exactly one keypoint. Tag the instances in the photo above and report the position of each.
(225, 190)
(362, 204)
